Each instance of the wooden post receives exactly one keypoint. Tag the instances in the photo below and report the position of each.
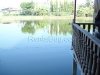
(74, 67)
(91, 59)
(94, 59)
(98, 62)
(74, 20)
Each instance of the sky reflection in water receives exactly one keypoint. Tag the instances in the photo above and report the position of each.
(36, 48)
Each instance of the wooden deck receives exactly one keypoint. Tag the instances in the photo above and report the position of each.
(86, 48)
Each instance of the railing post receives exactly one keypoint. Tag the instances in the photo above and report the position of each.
(74, 67)
(94, 59)
(87, 56)
(94, 27)
(89, 27)
(98, 62)
(74, 20)
(91, 58)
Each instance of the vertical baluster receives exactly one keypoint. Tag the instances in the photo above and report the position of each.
(91, 58)
(87, 56)
(74, 30)
(74, 33)
(84, 26)
(82, 58)
(78, 43)
(94, 27)
(98, 62)
(94, 59)
(81, 47)
(89, 27)
(74, 67)
(76, 47)
(84, 53)
(75, 40)
(79, 24)
(73, 37)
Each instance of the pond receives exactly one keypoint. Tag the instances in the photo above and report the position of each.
(36, 48)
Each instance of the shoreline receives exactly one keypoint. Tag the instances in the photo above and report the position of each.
(27, 18)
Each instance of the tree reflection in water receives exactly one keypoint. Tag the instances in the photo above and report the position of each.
(60, 27)
(28, 28)
(31, 26)
(53, 27)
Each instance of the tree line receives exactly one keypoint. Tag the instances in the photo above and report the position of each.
(86, 9)
(56, 8)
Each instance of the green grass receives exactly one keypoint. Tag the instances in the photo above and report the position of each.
(18, 18)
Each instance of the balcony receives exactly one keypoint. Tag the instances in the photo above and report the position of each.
(86, 48)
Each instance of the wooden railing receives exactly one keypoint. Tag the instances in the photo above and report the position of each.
(86, 48)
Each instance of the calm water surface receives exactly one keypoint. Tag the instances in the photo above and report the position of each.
(36, 48)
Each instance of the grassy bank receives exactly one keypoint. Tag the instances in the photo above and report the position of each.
(18, 18)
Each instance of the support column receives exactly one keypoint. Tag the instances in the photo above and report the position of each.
(74, 68)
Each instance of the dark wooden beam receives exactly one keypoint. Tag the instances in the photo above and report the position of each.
(74, 20)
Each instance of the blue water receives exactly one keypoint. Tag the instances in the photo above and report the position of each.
(39, 53)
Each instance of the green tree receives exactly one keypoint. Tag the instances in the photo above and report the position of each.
(51, 6)
(88, 3)
(70, 8)
(27, 8)
(85, 9)
(61, 7)
(41, 11)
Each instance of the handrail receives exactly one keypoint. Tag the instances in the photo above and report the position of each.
(91, 37)
(88, 26)
(85, 23)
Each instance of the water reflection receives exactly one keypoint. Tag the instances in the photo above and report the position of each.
(28, 27)
(60, 27)
(36, 48)
(54, 27)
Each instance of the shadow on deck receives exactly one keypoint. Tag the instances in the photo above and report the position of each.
(86, 48)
